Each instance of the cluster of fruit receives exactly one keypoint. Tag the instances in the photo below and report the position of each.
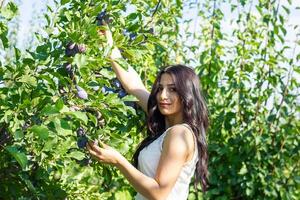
(118, 89)
(71, 50)
(81, 143)
(5, 137)
(103, 17)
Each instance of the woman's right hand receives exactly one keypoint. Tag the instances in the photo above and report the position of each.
(115, 52)
(129, 79)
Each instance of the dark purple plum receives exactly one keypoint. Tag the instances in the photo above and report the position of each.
(130, 104)
(82, 141)
(71, 49)
(132, 36)
(80, 132)
(122, 93)
(81, 93)
(103, 16)
(117, 83)
(69, 69)
(151, 31)
(107, 90)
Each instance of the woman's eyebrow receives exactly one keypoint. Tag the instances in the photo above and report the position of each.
(168, 84)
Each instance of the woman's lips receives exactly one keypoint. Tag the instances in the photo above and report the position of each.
(164, 104)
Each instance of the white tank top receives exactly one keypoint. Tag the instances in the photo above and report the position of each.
(148, 161)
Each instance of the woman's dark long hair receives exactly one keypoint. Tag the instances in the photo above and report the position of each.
(195, 114)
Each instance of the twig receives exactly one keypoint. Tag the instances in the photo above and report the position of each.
(155, 10)
(1, 3)
(212, 36)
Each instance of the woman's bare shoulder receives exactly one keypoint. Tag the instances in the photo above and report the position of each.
(183, 133)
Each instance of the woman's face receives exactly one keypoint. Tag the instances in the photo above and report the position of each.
(168, 100)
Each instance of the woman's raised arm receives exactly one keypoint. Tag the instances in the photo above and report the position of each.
(129, 79)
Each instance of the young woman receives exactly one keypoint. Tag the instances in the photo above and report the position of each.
(175, 147)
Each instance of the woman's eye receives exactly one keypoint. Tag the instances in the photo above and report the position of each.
(160, 89)
(172, 89)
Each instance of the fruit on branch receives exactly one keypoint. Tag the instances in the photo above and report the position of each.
(117, 83)
(72, 49)
(57, 175)
(132, 36)
(69, 70)
(81, 137)
(151, 31)
(122, 93)
(80, 132)
(82, 141)
(5, 137)
(107, 90)
(130, 104)
(86, 161)
(103, 17)
(81, 93)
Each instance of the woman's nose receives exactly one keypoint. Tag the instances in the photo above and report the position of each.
(163, 94)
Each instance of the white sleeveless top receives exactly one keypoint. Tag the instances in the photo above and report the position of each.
(148, 161)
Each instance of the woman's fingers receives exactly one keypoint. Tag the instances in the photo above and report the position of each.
(94, 151)
(94, 146)
(104, 145)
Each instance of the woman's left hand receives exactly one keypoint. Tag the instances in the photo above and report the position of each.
(104, 154)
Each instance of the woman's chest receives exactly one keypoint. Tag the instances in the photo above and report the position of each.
(149, 157)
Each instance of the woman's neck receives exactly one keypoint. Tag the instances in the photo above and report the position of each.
(173, 120)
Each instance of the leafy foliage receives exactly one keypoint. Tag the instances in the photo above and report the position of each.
(56, 97)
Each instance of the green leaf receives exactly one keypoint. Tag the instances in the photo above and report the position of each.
(78, 155)
(9, 11)
(287, 10)
(79, 115)
(19, 156)
(18, 135)
(49, 144)
(129, 98)
(271, 118)
(93, 118)
(297, 179)
(28, 79)
(63, 2)
(80, 60)
(243, 170)
(50, 110)
(62, 127)
(41, 131)
(132, 16)
(3, 37)
(107, 74)
(59, 104)
(120, 195)
(68, 16)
